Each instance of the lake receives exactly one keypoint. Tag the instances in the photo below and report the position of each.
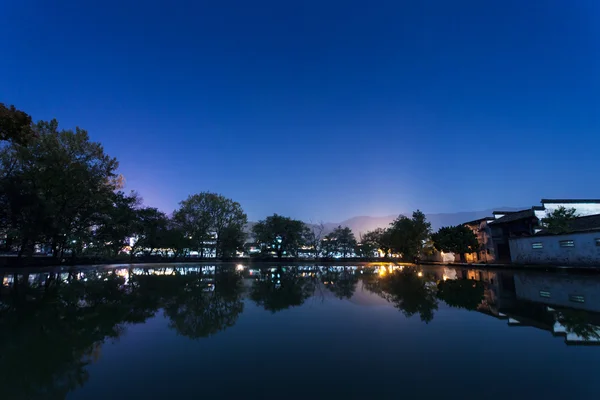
(278, 331)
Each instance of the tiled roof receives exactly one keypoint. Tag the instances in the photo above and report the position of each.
(581, 224)
(567, 201)
(514, 216)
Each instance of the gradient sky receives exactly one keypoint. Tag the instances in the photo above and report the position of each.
(321, 110)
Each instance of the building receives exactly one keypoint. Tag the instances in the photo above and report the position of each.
(581, 246)
(482, 230)
(583, 207)
(508, 225)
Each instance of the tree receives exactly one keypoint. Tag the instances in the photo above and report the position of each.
(151, 230)
(232, 240)
(206, 215)
(280, 234)
(408, 235)
(341, 241)
(15, 125)
(559, 220)
(373, 241)
(313, 238)
(458, 239)
(195, 219)
(54, 189)
(117, 223)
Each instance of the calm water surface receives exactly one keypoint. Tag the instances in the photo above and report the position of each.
(233, 331)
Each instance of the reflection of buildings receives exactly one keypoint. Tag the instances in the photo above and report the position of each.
(564, 305)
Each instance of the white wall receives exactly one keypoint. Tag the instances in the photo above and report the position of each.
(585, 251)
(582, 209)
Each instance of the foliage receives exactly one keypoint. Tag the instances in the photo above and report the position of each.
(378, 239)
(339, 242)
(194, 216)
(279, 234)
(458, 239)
(210, 216)
(15, 125)
(54, 188)
(408, 235)
(117, 223)
(559, 220)
(151, 229)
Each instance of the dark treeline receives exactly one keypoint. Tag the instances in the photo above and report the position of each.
(61, 196)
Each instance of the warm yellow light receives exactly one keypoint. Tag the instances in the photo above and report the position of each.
(239, 267)
(420, 274)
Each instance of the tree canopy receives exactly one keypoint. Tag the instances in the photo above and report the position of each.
(341, 242)
(458, 239)
(279, 234)
(15, 125)
(408, 235)
(559, 220)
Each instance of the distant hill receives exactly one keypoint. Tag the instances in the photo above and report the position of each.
(363, 224)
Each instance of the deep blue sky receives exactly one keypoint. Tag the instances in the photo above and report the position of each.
(321, 109)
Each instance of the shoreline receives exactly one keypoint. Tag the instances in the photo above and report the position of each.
(293, 262)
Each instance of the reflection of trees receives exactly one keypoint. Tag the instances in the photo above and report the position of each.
(341, 283)
(578, 323)
(196, 311)
(281, 289)
(50, 332)
(407, 291)
(51, 329)
(461, 293)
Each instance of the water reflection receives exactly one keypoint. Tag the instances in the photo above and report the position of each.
(408, 290)
(54, 324)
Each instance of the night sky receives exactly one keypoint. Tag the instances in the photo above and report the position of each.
(321, 110)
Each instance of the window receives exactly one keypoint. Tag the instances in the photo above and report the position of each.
(537, 245)
(544, 293)
(576, 298)
(567, 243)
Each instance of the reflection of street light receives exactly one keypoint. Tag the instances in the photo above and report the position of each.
(239, 267)
(420, 274)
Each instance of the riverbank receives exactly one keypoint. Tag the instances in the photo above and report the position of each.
(49, 263)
